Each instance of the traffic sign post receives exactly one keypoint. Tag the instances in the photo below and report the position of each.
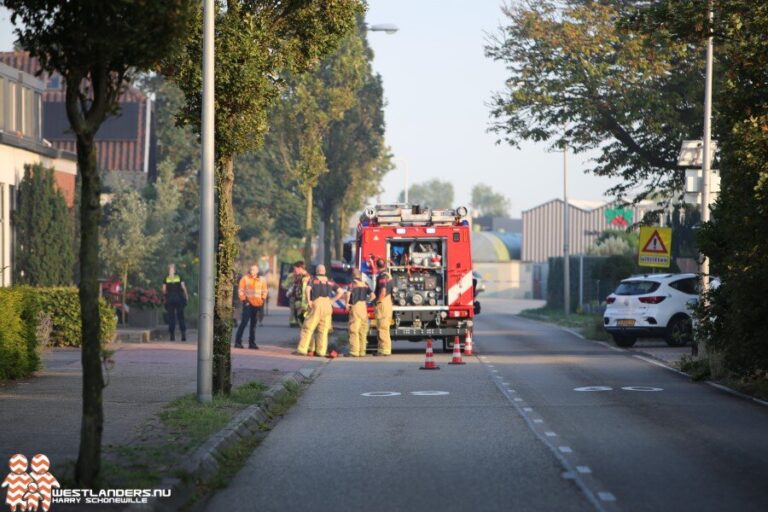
(655, 247)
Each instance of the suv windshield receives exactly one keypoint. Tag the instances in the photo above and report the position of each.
(636, 287)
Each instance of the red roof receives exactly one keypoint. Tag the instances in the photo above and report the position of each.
(119, 144)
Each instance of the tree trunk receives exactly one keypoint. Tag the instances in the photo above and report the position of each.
(225, 274)
(327, 236)
(125, 292)
(340, 228)
(89, 457)
(308, 227)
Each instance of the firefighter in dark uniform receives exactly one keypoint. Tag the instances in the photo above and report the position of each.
(357, 297)
(176, 297)
(383, 308)
(320, 295)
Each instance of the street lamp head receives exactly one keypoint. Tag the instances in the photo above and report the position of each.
(388, 28)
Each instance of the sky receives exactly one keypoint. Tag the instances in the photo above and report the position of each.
(437, 84)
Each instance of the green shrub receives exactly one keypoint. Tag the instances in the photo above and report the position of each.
(34, 317)
(63, 306)
(19, 355)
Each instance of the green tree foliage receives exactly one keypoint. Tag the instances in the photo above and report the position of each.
(256, 44)
(173, 222)
(126, 245)
(97, 47)
(177, 143)
(576, 74)
(433, 193)
(44, 225)
(354, 150)
(734, 319)
(310, 105)
(489, 203)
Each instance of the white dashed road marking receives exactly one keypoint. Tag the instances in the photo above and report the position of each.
(606, 496)
(550, 434)
(381, 393)
(583, 469)
(565, 449)
(429, 393)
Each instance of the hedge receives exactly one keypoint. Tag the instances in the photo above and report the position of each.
(18, 350)
(31, 317)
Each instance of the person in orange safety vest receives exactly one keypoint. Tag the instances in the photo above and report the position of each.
(252, 292)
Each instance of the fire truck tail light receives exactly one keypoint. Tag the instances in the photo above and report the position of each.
(400, 231)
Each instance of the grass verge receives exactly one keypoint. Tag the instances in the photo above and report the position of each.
(589, 325)
(165, 440)
(233, 458)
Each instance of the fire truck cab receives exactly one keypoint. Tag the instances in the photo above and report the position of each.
(430, 261)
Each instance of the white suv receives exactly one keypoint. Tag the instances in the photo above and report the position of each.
(651, 306)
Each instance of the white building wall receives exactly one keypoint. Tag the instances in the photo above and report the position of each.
(12, 160)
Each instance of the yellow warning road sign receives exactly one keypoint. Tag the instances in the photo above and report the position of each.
(655, 247)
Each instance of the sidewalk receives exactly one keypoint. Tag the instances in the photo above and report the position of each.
(42, 414)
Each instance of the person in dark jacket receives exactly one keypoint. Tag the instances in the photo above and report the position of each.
(175, 291)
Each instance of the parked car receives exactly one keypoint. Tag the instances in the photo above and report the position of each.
(652, 306)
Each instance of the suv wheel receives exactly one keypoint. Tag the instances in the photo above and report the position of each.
(624, 340)
(679, 331)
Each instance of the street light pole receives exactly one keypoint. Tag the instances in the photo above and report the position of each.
(566, 236)
(706, 158)
(207, 255)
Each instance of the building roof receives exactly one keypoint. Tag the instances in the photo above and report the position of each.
(581, 204)
(120, 141)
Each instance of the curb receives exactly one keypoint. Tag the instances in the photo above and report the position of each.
(203, 463)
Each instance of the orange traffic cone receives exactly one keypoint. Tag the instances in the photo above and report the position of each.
(468, 344)
(429, 362)
(456, 352)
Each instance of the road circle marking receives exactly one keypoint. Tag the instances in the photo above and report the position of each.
(429, 393)
(381, 393)
(641, 388)
(594, 388)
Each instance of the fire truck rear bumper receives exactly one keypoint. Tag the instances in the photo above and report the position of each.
(409, 333)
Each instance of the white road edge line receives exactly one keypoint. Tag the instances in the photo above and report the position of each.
(736, 393)
(575, 333)
(715, 385)
(660, 364)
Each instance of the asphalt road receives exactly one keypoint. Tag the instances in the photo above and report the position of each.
(541, 421)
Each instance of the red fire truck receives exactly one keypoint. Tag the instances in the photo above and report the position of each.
(430, 261)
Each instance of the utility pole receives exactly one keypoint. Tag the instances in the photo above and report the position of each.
(566, 229)
(207, 255)
(706, 158)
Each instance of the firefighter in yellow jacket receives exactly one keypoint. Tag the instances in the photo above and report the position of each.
(357, 297)
(320, 296)
(383, 308)
(252, 292)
